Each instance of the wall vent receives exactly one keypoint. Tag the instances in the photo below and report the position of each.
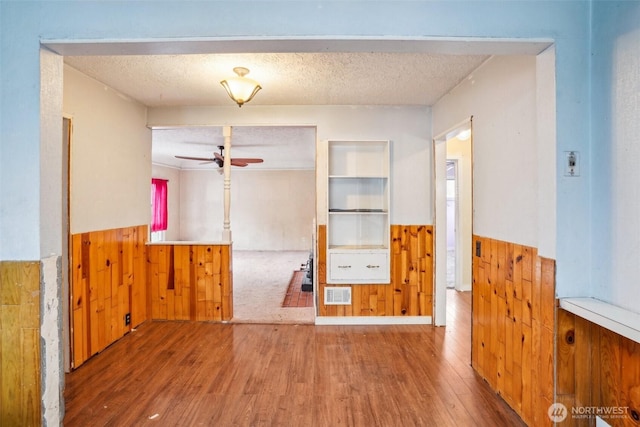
(337, 296)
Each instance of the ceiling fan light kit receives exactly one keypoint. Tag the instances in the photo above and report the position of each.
(241, 89)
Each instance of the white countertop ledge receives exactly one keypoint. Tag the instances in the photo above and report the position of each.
(617, 319)
(187, 243)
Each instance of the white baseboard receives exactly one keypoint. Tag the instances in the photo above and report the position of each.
(373, 320)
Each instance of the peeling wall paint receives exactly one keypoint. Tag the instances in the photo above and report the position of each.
(51, 345)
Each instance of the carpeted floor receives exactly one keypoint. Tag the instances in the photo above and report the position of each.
(260, 282)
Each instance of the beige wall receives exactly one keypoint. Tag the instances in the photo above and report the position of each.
(270, 210)
(110, 156)
(407, 127)
(501, 97)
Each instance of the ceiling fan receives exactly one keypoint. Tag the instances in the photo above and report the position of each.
(219, 159)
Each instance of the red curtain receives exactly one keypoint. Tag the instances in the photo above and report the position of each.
(159, 204)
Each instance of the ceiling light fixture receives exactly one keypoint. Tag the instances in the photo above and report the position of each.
(241, 89)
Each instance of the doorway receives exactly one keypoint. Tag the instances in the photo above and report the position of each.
(271, 212)
(453, 215)
(67, 324)
(452, 212)
(459, 212)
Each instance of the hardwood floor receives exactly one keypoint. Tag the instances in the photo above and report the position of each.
(188, 374)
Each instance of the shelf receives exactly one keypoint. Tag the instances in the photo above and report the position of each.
(352, 194)
(609, 316)
(358, 158)
(358, 227)
(357, 177)
(358, 211)
(357, 247)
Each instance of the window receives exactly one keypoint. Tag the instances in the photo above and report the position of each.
(159, 218)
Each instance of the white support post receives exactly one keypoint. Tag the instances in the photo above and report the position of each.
(226, 232)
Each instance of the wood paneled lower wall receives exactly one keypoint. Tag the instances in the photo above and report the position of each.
(598, 371)
(20, 403)
(513, 325)
(411, 290)
(108, 270)
(190, 282)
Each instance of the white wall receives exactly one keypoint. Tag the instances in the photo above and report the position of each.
(270, 209)
(547, 158)
(616, 154)
(173, 198)
(110, 156)
(501, 97)
(408, 128)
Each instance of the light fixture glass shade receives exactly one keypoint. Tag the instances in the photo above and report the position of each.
(241, 89)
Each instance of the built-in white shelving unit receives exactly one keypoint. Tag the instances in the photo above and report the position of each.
(358, 212)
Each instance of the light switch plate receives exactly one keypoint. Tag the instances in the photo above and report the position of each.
(572, 163)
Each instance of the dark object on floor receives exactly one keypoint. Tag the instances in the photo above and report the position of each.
(294, 296)
(307, 281)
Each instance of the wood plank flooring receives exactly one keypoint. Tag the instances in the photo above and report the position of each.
(189, 374)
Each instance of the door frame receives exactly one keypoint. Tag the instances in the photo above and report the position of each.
(66, 261)
(440, 215)
(457, 235)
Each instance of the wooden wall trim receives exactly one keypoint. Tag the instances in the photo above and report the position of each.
(598, 369)
(115, 273)
(108, 281)
(190, 282)
(20, 364)
(410, 292)
(513, 325)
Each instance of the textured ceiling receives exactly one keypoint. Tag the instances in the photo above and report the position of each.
(307, 78)
(335, 78)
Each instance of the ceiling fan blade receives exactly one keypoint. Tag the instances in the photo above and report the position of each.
(205, 159)
(236, 162)
(246, 160)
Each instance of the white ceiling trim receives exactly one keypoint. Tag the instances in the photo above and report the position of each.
(172, 46)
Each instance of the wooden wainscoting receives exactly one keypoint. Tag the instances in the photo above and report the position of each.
(108, 270)
(596, 368)
(20, 402)
(190, 282)
(513, 325)
(411, 290)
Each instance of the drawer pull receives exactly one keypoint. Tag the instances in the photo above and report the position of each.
(373, 266)
(344, 266)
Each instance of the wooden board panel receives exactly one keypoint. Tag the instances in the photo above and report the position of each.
(190, 282)
(565, 350)
(411, 290)
(630, 378)
(606, 373)
(514, 346)
(20, 343)
(108, 282)
(581, 359)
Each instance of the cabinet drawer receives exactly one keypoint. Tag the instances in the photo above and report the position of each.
(358, 267)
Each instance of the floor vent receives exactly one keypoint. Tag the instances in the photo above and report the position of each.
(337, 296)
